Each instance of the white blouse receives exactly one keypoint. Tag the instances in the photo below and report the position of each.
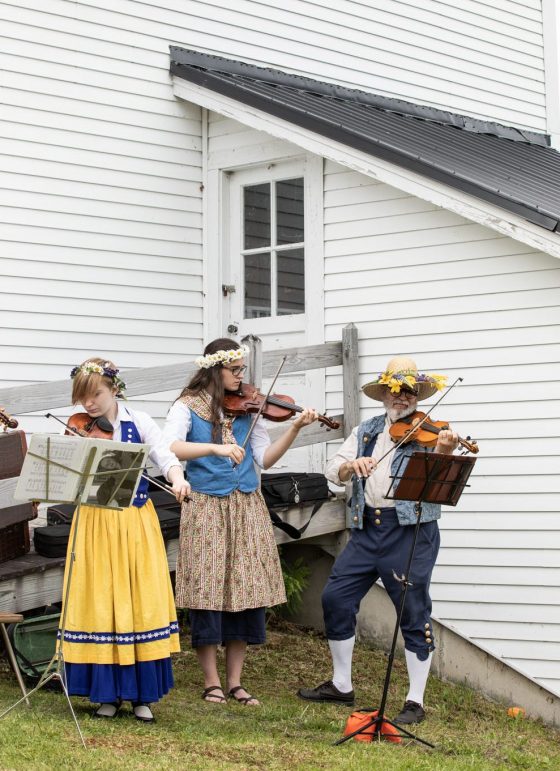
(179, 421)
(150, 433)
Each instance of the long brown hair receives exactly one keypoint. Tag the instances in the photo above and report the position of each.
(210, 380)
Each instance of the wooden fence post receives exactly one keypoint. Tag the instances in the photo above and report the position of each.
(350, 378)
(254, 360)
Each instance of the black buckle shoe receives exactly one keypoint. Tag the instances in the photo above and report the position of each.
(412, 712)
(327, 691)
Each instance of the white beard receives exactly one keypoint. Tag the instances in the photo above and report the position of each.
(395, 415)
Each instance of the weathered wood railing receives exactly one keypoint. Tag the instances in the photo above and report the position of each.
(151, 380)
(32, 581)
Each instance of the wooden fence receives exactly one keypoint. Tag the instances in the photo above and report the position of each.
(31, 581)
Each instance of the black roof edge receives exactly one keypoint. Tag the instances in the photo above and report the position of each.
(335, 131)
(197, 59)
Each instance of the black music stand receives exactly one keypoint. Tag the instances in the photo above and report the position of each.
(433, 478)
(56, 669)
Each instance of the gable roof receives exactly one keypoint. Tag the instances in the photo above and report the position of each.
(508, 167)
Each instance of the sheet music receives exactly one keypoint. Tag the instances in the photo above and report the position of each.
(113, 478)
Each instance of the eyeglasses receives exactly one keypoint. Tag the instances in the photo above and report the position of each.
(406, 394)
(236, 371)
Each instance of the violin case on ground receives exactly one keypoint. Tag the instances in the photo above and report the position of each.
(282, 491)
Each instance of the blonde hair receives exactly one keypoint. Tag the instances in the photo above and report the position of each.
(87, 379)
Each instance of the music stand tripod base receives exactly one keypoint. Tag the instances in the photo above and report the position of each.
(433, 478)
(55, 668)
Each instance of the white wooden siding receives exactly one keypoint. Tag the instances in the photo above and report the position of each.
(463, 301)
(100, 199)
(477, 58)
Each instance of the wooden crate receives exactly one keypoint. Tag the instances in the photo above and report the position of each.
(14, 515)
(12, 452)
(14, 541)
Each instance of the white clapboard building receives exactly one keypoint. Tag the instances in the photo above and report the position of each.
(179, 170)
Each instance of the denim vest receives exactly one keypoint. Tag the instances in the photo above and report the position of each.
(214, 475)
(367, 431)
(129, 433)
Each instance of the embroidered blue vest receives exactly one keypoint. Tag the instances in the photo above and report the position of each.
(368, 431)
(218, 476)
(129, 433)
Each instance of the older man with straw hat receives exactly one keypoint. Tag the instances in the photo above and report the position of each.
(382, 532)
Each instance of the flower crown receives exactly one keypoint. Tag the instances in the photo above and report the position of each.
(409, 380)
(221, 357)
(92, 368)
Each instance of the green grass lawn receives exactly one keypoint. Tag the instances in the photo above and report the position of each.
(284, 733)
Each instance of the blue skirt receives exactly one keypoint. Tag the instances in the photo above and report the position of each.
(145, 681)
(216, 627)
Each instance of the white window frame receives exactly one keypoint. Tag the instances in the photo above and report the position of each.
(218, 239)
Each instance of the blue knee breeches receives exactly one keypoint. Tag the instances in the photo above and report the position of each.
(375, 552)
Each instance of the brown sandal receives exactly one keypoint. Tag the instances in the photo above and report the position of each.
(214, 698)
(243, 699)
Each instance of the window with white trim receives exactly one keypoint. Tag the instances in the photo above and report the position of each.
(273, 248)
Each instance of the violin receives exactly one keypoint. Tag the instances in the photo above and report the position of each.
(6, 420)
(276, 406)
(426, 435)
(92, 428)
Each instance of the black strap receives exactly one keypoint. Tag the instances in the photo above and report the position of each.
(294, 532)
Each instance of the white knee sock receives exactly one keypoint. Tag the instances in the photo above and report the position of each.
(418, 672)
(341, 652)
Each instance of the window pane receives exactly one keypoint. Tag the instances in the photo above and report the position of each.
(257, 285)
(291, 282)
(256, 216)
(289, 211)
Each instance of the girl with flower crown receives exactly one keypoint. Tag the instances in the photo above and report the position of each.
(121, 622)
(228, 570)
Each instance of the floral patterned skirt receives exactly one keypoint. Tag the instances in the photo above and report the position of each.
(228, 558)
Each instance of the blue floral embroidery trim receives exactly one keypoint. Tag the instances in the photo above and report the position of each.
(126, 638)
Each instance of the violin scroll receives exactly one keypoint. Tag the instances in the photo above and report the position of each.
(6, 420)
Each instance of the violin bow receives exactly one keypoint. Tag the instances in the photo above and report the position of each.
(261, 408)
(424, 419)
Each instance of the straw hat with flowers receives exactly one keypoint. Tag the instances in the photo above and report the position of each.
(402, 373)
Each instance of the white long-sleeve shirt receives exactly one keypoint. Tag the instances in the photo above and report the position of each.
(379, 482)
(179, 421)
(150, 433)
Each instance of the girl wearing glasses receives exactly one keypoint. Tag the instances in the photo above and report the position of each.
(228, 570)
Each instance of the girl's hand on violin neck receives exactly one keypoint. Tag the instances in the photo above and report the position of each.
(305, 418)
(233, 451)
(447, 441)
(361, 467)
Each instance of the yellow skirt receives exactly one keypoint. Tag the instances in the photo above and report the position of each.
(120, 608)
